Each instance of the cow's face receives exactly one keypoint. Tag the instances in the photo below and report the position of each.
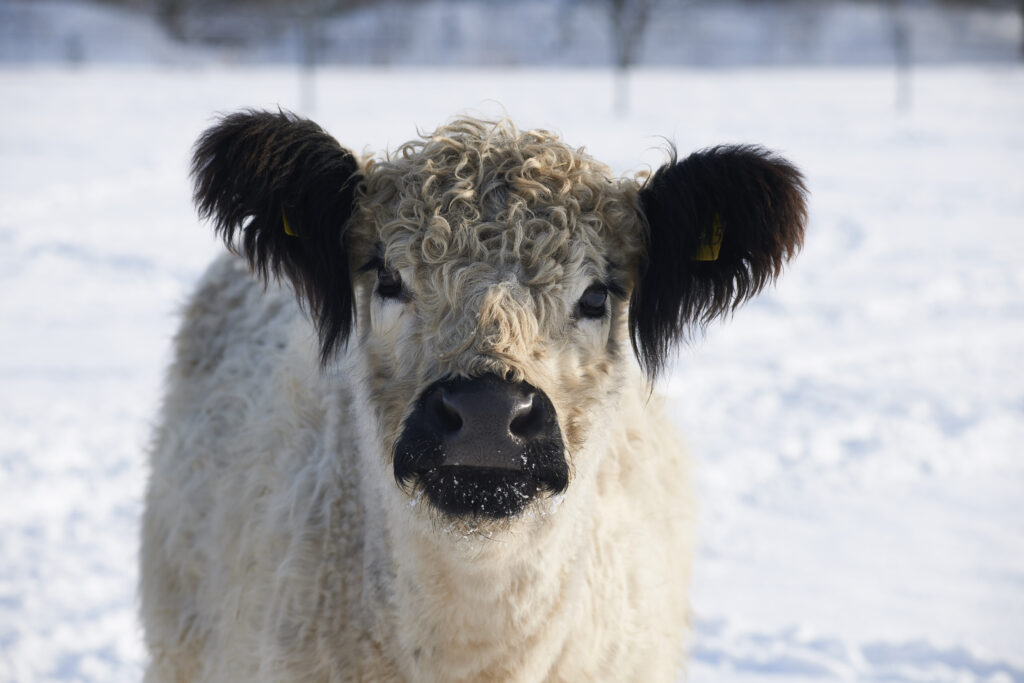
(497, 276)
(493, 268)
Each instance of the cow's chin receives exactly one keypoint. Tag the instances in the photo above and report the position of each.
(485, 494)
(479, 494)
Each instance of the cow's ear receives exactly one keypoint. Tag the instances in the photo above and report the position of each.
(281, 190)
(720, 225)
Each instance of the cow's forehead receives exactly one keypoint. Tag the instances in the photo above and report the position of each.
(486, 195)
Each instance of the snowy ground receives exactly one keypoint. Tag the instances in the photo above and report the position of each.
(857, 430)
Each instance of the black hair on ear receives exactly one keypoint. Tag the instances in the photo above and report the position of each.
(753, 199)
(288, 188)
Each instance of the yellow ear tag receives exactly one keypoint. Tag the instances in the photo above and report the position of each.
(287, 226)
(710, 244)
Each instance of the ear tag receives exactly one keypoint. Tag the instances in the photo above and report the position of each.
(710, 243)
(287, 226)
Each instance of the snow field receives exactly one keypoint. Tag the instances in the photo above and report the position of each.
(856, 430)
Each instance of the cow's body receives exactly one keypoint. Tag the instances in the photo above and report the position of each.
(307, 575)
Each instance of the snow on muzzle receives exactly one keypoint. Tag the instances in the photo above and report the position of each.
(482, 447)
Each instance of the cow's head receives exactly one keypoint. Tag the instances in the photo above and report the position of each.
(494, 281)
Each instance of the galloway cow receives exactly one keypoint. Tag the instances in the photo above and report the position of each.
(406, 436)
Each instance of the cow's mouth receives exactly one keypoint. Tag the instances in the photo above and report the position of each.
(481, 447)
(483, 492)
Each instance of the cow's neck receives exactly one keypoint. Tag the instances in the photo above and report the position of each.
(477, 607)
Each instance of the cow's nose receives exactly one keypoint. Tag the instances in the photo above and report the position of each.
(482, 446)
(486, 421)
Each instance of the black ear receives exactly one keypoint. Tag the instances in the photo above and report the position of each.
(288, 188)
(721, 224)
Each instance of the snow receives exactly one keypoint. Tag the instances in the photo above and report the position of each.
(857, 430)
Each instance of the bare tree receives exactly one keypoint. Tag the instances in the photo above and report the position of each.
(628, 22)
(310, 15)
(253, 20)
(170, 14)
(900, 34)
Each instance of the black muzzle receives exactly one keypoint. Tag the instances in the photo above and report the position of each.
(482, 447)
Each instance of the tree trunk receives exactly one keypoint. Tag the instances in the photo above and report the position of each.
(309, 24)
(901, 54)
(170, 14)
(628, 20)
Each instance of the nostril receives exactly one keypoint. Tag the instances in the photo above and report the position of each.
(447, 413)
(527, 418)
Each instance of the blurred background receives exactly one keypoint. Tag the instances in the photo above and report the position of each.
(567, 33)
(856, 430)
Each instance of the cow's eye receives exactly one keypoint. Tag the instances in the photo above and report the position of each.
(389, 283)
(593, 303)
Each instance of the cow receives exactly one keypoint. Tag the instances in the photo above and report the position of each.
(410, 432)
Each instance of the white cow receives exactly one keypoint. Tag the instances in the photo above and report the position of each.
(427, 452)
